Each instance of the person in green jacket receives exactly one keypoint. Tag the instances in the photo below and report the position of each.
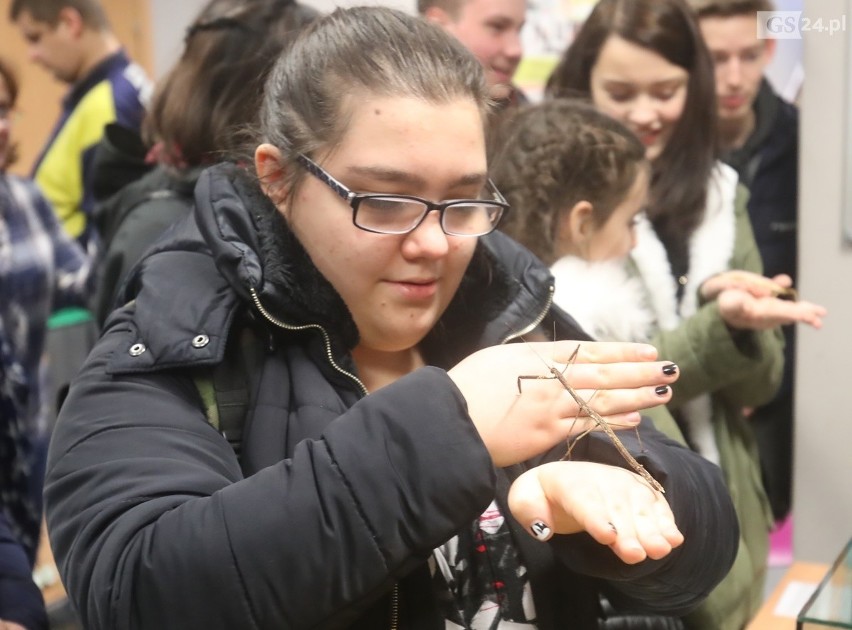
(704, 300)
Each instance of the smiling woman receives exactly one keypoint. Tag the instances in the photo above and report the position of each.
(704, 301)
(384, 443)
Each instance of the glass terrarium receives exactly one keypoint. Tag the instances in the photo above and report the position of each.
(831, 604)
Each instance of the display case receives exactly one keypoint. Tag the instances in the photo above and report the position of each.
(831, 604)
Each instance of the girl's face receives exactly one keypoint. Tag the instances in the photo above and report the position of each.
(614, 239)
(641, 89)
(395, 286)
(581, 236)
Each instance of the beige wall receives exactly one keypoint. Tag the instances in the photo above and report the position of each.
(822, 488)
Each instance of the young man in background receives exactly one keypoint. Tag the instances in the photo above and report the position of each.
(72, 39)
(759, 134)
(491, 30)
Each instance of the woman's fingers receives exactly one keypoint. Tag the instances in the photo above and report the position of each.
(611, 402)
(644, 522)
(567, 351)
(615, 506)
(531, 508)
(521, 407)
(600, 376)
(741, 310)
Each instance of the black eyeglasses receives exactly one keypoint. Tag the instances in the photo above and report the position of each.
(401, 214)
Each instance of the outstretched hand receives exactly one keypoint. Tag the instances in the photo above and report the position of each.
(749, 301)
(614, 505)
(755, 284)
(740, 309)
(617, 378)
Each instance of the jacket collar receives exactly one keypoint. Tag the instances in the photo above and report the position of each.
(100, 72)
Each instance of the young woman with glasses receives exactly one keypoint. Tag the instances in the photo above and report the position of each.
(390, 471)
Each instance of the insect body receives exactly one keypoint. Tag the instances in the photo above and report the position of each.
(599, 421)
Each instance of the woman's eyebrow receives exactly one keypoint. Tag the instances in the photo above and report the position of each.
(614, 82)
(393, 175)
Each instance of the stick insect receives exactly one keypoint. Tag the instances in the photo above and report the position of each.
(598, 420)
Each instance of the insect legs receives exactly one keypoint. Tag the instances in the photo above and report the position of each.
(599, 421)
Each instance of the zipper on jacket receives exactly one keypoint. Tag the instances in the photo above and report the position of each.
(277, 322)
(539, 318)
(394, 611)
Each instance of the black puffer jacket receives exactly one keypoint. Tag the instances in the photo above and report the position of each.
(337, 496)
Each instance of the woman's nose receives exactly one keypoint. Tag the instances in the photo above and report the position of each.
(428, 238)
(643, 113)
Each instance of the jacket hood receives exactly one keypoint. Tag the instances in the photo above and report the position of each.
(238, 250)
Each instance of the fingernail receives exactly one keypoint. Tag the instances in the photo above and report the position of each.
(662, 390)
(612, 527)
(541, 531)
(670, 369)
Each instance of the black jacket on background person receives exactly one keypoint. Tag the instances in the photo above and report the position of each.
(768, 165)
(337, 495)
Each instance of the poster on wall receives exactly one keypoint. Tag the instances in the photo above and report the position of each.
(549, 29)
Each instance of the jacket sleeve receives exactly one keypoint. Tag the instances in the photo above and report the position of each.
(744, 367)
(703, 511)
(154, 526)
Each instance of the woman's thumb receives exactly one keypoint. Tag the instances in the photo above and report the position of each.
(528, 504)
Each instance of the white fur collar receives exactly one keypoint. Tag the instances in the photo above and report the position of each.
(710, 250)
(605, 300)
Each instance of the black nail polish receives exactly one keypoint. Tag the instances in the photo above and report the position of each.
(612, 527)
(670, 369)
(662, 390)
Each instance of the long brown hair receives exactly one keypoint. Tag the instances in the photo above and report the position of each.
(682, 171)
(202, 108)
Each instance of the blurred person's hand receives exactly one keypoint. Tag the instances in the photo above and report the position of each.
(741, 309)
(750, 301)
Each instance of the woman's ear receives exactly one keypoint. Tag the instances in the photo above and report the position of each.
(270, 172)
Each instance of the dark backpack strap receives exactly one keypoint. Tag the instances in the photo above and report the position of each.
(226, 391)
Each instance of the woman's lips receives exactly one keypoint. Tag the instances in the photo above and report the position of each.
(732, 102)
(648, 138)
(417, 289)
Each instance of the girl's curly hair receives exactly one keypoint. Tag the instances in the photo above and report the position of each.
(547, 157)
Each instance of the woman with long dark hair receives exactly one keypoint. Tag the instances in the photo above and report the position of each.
(644, 63)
